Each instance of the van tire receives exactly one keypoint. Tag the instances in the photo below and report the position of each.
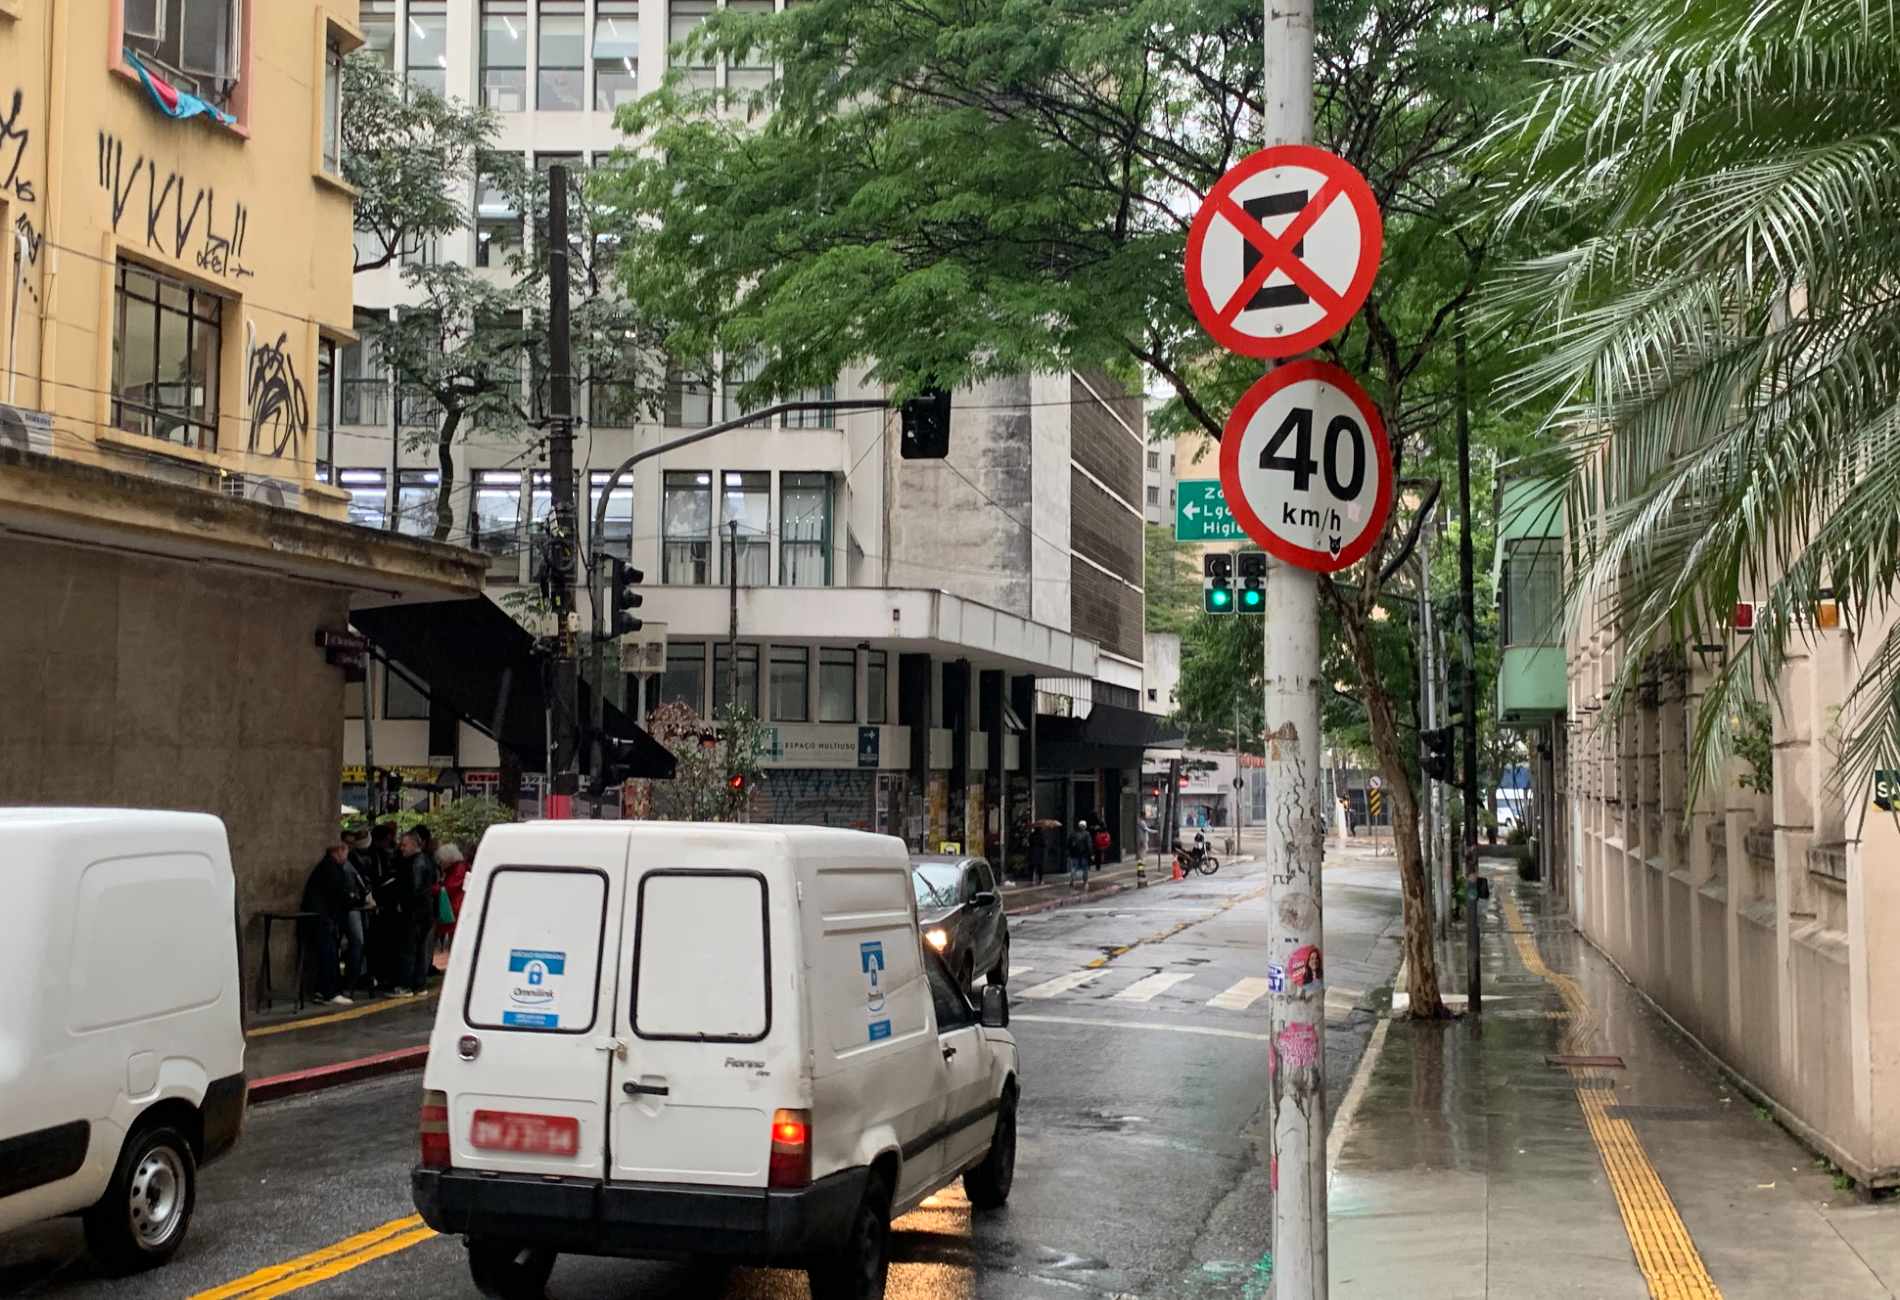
(987, 1184)
(140, 1221)
(502, 1270)
(861, 1265)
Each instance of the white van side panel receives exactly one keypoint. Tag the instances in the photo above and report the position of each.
(876, 1060)
(148, 913)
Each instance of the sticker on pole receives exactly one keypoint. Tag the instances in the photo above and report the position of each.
(1305, 466)
(1283, 251)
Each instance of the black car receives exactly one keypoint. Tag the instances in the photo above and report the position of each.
(961, 912)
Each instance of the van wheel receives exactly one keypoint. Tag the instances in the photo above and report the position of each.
(140, 1221)
(505, 1271)
(864, 1261)
(987, 1184)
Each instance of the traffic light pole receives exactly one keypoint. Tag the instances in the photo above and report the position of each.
(1294, 843)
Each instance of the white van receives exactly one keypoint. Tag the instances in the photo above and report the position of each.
(122, 1045)
(666, 1040)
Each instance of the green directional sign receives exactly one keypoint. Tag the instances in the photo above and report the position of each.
(1201, 514)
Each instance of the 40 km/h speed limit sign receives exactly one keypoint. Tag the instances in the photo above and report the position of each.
(1305, 466)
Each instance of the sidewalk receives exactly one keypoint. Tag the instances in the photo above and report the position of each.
(327, 1046)
(1474, 1165)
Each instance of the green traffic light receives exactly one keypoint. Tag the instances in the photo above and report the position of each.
(1251, 598)
(1219, 598)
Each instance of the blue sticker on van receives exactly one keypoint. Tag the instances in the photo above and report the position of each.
(526, 959)
(871, 955)
(880, 1029)
(530, 1019)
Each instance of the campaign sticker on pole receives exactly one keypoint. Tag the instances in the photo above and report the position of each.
(1283, 251)
(1306, 468)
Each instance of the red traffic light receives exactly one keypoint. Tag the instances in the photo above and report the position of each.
(736, 782)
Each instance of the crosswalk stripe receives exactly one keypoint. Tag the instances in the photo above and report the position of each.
(1014, 971)
(1063, 983)
(1241, 996)
(1145, 989)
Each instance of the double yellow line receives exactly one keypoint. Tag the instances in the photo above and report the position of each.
(320, 1265)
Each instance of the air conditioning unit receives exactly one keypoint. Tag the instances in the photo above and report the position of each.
(644, 651)
(264, 490)
(26, 430)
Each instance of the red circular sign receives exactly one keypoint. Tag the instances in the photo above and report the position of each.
(1266, 293)
(1306, 468)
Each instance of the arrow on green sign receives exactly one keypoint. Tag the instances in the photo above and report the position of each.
(1201, 513)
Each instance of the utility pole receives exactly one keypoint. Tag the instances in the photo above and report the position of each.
(732, 630)
(1474, 970)
(1428, 711)
(564, 740)
(1240, 780)
(1295, 840)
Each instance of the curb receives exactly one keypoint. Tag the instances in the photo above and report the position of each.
(1051, 904)
(276, 1087)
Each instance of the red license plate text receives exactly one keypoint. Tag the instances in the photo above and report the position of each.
(507, 1130)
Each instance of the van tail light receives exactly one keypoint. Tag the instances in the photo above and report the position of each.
(435, 1130)
(791, 1149)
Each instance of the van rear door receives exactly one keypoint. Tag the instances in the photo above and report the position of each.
(538, 1001)
(710, 1028)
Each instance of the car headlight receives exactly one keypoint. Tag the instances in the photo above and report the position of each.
(938, 938)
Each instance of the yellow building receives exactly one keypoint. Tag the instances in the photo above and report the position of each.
(176, 266)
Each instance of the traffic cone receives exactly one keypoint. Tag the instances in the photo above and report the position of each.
(1141, 874)
(1177, 868)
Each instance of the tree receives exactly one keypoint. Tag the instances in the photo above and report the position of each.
(701, 789)
(947, 192)
(1171, 581)
(1712, 190)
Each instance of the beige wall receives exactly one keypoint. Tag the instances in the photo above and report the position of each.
(166, 684)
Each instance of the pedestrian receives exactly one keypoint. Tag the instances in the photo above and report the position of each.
(1099, 841)
(326, 897)
(1080, 847)
(449, 899)
(1035, 854)
(417, 878)
(385, 919)
(362, 905)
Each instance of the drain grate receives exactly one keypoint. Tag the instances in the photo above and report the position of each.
(1600, 1062)
(1544, 1083)
(1634, 1110)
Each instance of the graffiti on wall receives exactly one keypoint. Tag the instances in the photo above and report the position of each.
(841, 797)
(171, 210)
(13, 141)
(278, 401)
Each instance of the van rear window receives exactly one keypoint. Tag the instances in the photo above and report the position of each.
(537, 955)
(702, 961)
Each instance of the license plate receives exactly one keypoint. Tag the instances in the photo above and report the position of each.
(507, 1130)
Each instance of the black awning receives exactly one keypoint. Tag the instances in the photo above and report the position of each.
(1111, 736)
(482, 664)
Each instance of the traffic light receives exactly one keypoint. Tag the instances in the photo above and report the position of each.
(1437, 758)
(623, 597)
(1217, 582)
(1253, 582)
(925, 421)
(736, 784)
(609, 763)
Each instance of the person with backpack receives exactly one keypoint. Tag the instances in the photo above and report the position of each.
(1081, 848)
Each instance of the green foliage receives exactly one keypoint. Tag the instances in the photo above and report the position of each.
(1172, 586)
(1221, 671)
(706, 757)
(1714, 192)
(1752, 736)
(461, 822)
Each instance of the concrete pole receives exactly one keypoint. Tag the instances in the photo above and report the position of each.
(1295, 842)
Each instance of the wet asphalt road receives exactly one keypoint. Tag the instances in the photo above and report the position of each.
(1141, 1167)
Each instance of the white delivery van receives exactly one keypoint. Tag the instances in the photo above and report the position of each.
(665, 1040)
(122, 1046)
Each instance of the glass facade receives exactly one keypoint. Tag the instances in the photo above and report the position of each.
(748, 677)
(616, 53)
(837, 685)
(746, 500)
(166, 344)
(427, 66)
(686, 527)
(561, 62)
(505, 55)
(804, 547)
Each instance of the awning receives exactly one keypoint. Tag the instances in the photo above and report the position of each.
(482, 664)
(1111, 736)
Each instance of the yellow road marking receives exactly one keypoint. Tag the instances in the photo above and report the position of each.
(338, 1257)
(336, 1017)
(1665, 1252)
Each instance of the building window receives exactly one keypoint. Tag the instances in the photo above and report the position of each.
(495, 520)
(688, 398)
(378, 21)
(326, 407)
(497, 219)
(751, 71)
(616, 53)
(791, 683)
(369, 496)
(427, 66)
(804, 530)
(195, 43)
(1154, 495)
(363, 389)
(826, 419)
(616, 534)
(1533, 575)
(561, 60)
(505, 55)
(876, 669)
(837, 685)
(748, 677)
(403, 700)
(740, 371)
(683, 19)
(686, 522)
(746, 499)
(416, 491)
(1154, 460)
(166, 346)
(684, 681)
(333, 107)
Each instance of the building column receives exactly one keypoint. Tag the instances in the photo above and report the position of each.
(1022, 701)
(915, 710)
(995, 777)
(956, 719)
